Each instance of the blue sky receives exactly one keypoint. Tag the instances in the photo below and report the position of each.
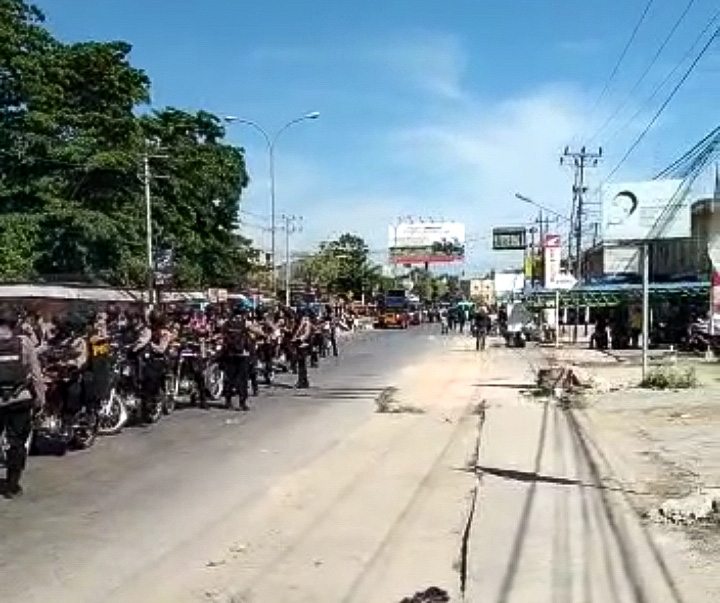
(440, 109)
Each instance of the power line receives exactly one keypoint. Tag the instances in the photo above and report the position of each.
(691, 153)
(666, 79)
(647, 70)
(662, 108)
(623, 54)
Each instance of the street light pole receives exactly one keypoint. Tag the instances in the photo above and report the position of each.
(271, 142)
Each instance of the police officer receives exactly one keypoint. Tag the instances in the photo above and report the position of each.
(21, 390)
(302, 339)
(98, 369)
(236, 359)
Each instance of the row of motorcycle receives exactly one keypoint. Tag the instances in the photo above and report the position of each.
(67, 421)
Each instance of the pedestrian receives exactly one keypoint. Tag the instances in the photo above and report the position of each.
(331, 323)
(22, 390)
(481, 326)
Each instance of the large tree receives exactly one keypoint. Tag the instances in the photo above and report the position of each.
(342, 266)
(71, 150)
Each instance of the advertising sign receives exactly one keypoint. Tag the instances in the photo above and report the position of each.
(552, 254)
(636, 210)
(512, 237)
(426, 242)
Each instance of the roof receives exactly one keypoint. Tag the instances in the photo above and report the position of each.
(612, 294)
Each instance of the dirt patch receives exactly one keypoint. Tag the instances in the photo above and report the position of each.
(387, 403)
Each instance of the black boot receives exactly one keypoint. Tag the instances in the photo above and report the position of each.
(12, 484)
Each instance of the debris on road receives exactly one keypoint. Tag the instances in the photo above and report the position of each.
(700, 507)
(431, 595)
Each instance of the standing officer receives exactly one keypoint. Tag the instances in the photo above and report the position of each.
(301, 340)
(21, 390)
(236, 357)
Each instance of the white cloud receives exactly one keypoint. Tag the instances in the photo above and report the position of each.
(430, 62)
(433, 63)
(480, 158)
(465, 166)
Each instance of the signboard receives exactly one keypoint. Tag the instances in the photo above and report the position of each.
(426, 242)
(552, 255)
(513, 237)
(640, 210)
(217, 296)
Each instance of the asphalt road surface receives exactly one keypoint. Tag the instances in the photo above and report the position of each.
(93, 521)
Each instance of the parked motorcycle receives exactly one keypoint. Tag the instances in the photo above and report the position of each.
(65, 421)
(122, 400)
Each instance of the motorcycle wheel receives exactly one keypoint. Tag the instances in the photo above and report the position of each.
(151, 411)
(113, 414)
(85, 431)
(214, 380)
(168, 404)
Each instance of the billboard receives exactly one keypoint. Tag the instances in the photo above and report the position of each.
(552, 255)
(426, 242)
(639, 210)
(511, 237)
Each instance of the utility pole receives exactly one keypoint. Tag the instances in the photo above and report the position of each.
(580, 161)
(291, 225)
(147, 179)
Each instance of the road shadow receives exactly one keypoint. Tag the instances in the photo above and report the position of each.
(530, 476)
(618, 539)
(511, 571)
(339, 393)
(507, 385)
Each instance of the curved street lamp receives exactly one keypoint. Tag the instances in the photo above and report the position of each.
(271, 141)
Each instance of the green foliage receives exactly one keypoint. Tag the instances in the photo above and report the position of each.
(670, 378)
(342, 266)
(71, 148)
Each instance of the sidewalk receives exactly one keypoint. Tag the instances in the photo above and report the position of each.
(550, 527)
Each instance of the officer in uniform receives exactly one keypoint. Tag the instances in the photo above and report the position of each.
(236, 359)
(98, 369)
(21, 390)
(302, 340)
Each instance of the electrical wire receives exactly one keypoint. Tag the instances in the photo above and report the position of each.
(692, 152)
(645, 73)
(622, 56)
(664, 105)
(666, 79)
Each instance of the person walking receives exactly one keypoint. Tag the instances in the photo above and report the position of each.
(236, 360)
(22, 390)
(481, 326)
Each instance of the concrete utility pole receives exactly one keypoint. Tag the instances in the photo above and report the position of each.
(580, 160)
(291, 225)
(147, 179)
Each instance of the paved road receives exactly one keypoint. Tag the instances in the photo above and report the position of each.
(91, 522)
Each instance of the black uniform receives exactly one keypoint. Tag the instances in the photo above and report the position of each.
(21, 389)
(236, 361)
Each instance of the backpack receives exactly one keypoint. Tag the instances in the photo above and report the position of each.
(13, 372)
